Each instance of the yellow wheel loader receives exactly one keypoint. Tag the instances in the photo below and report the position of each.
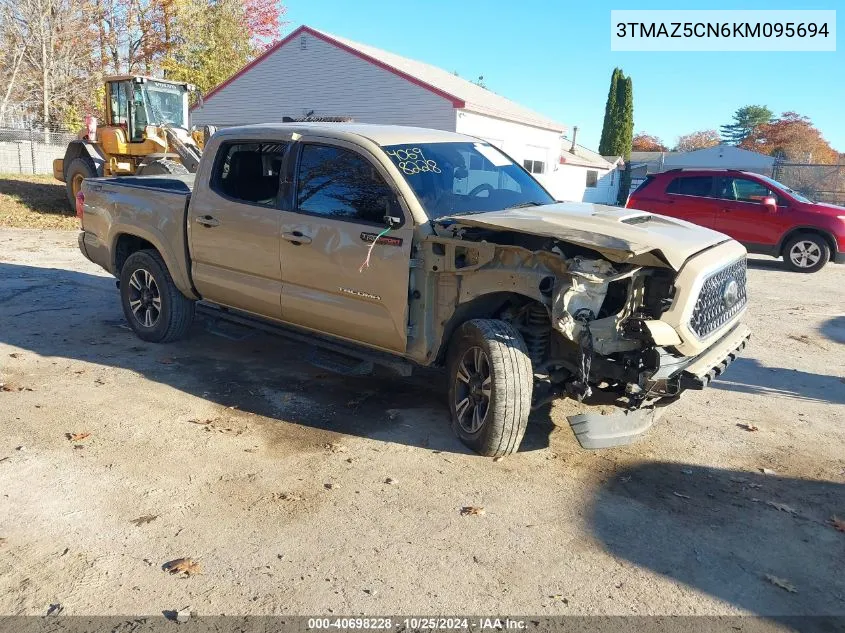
(145, 132)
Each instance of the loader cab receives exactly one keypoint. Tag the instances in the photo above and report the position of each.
(134, 103)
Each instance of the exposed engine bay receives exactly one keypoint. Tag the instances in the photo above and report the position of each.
(591, 325)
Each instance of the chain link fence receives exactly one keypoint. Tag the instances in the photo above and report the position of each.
(822, 183)
(31, 151)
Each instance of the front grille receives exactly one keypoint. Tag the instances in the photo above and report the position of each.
(712, 310)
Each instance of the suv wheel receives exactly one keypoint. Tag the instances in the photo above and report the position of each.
(490, 386)
(806, 253)
(152, 304)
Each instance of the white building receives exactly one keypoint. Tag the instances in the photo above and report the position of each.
(716, 157)
(311, 73)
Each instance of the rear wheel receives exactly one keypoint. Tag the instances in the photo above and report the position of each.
(78, 170)
(162, 167)
(490, 386)
(806, 253)
(152, 304)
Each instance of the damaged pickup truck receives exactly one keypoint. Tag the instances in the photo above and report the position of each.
(408, 247)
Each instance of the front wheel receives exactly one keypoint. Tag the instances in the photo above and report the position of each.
(155, 308)
(490, 386)
(806, 253)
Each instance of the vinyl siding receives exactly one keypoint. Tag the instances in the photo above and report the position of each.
(331, 82)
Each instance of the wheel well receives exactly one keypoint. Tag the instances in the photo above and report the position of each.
(489, 306)
(827, 237)
(126, 245)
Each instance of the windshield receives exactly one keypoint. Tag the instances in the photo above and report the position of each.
(166, 103)
(461, 178)
(792, 192)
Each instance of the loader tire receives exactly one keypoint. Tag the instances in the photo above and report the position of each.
(79, 169)
(162, 167)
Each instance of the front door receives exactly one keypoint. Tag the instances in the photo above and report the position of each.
(741, 213)
(336, 278)
(234, 228)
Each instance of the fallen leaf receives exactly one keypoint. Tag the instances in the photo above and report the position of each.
(55, 609)
(499, 458)
(77, 437)
(14, 355)
(748, 427)
(2, 542)
(166, 361)
(200, 421)
(79, 371)
(780, 582)
(334, 447)
(782, 507)
(390, 480)
(287, 496)
(147, 518)
(183, 566)
(472, 511)
(767, 471)
(330, 486)
(678, 494)
(838, 524)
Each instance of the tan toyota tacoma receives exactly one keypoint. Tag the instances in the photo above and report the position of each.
(416, 247)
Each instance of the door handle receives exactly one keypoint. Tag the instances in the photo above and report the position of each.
(296, 238)
(207, 220)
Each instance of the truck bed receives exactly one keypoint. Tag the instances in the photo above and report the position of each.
(153, 208)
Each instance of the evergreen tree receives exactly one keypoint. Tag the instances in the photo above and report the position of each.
(608, 128)
(745, 121)
(617, 133)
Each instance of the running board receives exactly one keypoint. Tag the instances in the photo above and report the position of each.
(366, 358)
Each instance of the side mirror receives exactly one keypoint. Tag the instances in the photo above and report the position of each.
(770, 204)
(393, 212)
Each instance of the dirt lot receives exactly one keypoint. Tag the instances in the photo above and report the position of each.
(305, 492)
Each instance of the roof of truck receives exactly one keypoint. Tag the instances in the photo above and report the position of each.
(380, 134)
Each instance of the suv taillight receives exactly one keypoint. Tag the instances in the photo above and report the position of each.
(80, 204)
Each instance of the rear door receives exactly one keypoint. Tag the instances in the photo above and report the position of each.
(690, 198)
(741, 213)
(335, 277)
(234, 226)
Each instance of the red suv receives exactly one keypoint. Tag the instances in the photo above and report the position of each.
(766, 216)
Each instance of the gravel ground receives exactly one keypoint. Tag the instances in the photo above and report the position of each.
(299, 491)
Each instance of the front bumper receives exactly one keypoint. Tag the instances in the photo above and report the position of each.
(714, 361)
(839, 258)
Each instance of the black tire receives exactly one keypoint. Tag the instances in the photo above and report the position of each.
(511, 383)
(79, 169)
(175, 312)
(161, 167)
(814, 245)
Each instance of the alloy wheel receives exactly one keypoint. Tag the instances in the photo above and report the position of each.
(473, 389)
(144, 298)
(805, 254)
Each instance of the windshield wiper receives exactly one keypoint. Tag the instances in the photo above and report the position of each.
(530, 203)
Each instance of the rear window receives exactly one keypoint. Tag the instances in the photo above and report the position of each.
(701, 186)
(249, 172)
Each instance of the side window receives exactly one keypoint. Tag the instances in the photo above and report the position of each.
(249, 172)
(592, 178)
(742, 190)
(700, 186)
(119, 104)
(339, 183)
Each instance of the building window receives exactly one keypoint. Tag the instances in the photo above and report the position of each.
(534, 166)
(592, 178)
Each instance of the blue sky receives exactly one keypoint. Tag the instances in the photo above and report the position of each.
(554, 57)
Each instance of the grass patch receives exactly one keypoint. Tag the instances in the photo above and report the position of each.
(34, 202)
